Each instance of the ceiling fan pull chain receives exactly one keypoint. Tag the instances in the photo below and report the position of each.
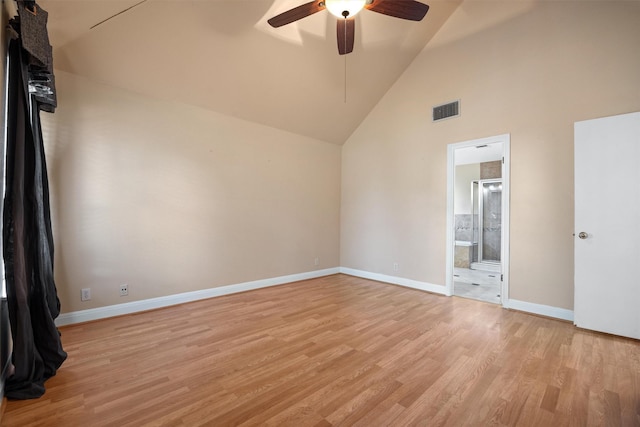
(345, 79)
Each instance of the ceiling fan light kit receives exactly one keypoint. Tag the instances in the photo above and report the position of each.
(345, 10)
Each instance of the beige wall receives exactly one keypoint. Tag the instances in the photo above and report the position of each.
(170, 198)
(528, 69)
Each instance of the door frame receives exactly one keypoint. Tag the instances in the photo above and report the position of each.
(505, 140)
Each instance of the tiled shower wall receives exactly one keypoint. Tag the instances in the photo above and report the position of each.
(491, 170)
(464, 227)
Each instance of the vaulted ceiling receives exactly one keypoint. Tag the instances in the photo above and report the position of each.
(223, 56)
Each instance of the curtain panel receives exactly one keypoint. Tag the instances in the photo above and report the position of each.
(27, 236)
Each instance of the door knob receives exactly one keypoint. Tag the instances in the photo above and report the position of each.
(583, 235)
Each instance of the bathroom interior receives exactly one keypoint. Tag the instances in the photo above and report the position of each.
(478, 229)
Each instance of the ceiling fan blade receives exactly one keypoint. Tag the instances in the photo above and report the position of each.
(296, 13)
(346, 34)
(404, 9)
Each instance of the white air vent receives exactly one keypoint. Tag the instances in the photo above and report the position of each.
(446, 111)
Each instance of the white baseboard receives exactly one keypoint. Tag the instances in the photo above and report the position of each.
(540, 309)
(543, 310)
(153, 303)
(423, 286)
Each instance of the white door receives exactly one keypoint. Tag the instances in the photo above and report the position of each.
(607, 221)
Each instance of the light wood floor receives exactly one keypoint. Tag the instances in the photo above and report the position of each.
(337, 351)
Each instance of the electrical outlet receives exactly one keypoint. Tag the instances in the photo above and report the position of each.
(317, 261)
(85, 294)
(124, 290)
(395, 266)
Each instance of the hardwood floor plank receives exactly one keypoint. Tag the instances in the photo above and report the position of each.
(337, 351)
(612, 408)
(550, 398)
(629, 381)
(356, 408)
(381, 415)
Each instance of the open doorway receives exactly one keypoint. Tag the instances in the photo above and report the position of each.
(477, 219)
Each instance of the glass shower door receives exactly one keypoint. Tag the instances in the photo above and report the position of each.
(491, 221)
(475, 203)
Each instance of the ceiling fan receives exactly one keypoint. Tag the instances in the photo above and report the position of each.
(345, 10)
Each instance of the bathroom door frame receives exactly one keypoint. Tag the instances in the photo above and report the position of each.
(505, 140)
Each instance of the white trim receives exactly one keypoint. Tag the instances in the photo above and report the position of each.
(506, 213)
(409, 283)
(505, 140)
(153, 303)
(451, 233)
(543, 310)
(166, 301)
(528, 307)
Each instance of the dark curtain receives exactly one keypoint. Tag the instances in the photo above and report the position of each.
(27, 237)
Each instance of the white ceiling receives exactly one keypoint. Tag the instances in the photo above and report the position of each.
(223, 56)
